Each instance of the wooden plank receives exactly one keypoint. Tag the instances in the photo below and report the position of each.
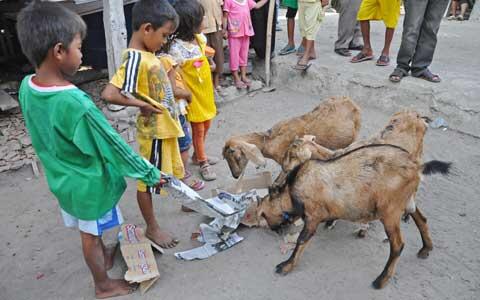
(115, 33)
(268, 48)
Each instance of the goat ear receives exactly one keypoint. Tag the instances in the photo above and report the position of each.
(253, 153)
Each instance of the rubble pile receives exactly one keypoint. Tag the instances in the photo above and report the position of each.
(15, 144)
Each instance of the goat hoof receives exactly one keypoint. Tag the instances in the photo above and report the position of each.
(424, 253)
(379, 283)
(362, 233)
(283, 268)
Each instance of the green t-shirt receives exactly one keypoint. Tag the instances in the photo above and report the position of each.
(290, 3)
(84, 158)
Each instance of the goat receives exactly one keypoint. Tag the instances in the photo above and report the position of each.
(366, 183)
(405, 124)
(335, 124)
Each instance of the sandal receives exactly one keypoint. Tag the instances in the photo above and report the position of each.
(240, 85)
(356, 48)
(207, 173)
(383, 61)
(187, 175)
(360, 57)
(212, 160)
(287, 50)
(452, 18)
(397, 75)
(300, 51)
(343, 52)
(196, 185)
(248, 83)
(301, 67)
(429, 76)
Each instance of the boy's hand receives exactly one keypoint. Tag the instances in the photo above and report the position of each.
(160, 183)
(188, 97)
(147, 110)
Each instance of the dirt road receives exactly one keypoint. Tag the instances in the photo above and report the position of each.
(40, 259)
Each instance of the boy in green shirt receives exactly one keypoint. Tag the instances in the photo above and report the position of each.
(84, 159)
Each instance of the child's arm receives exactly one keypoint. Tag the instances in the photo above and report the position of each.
(112, 95)
(95, 137)
(261, 3)
(213, 66)
(178, 92)
(224, 25)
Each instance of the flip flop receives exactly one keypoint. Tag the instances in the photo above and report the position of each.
(301, 67)
(240, 85)
(360, 57)
(397, 75)
(343, 52)
(429, 76)
(383, 61)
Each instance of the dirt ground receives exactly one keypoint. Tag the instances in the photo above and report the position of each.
(336, 265)
(41, 259)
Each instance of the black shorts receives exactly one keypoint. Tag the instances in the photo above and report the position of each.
(291, 13)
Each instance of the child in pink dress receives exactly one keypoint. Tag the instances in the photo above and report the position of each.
(237, 26)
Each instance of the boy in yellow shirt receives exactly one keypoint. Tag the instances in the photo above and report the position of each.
(143, 82)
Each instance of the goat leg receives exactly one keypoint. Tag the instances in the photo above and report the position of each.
(392, 228)
(303, 240)
(422, 226)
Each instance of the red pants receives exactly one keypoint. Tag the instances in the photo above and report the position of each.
(199, 134)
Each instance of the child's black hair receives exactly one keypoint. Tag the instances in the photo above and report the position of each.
(191, 14)
(155, 12)
(42, 25)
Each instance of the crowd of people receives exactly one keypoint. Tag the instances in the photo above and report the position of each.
(421, 24)
(170, 70)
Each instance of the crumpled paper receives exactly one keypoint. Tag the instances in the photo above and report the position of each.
(226, 209)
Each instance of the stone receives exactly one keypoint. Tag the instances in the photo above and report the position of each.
(6, 101)
(13, 145)
(25, 141)
(17, 165)
(122, 125)
(4, 168)
(3, 151)
(13, 156)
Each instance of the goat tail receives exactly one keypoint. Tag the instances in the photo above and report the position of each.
(436, 166)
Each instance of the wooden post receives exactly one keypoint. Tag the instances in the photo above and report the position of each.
(475, 14)
(268, 48)
(115, 33)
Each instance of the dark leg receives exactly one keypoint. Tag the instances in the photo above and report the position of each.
(427, 40)
(422, 226)
(105, 287)
(303, 240)
(367, 47)
(392, 228)
(412, 23)
(389, 32)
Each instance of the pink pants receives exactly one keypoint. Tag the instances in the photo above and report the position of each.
(238, 51)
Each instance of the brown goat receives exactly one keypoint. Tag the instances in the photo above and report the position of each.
(335, 124)
(366, 183)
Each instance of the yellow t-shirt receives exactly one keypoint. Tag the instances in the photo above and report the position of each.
(142, 76)
(197, 78)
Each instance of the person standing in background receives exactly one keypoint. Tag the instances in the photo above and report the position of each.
(419, 39)
(214, 33)
(349, 34)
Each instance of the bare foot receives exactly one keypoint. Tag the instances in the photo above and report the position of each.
(109, 254)
(161, 238)
(114, 288)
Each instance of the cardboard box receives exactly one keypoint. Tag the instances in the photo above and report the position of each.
(260, 181)
(138, 254)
